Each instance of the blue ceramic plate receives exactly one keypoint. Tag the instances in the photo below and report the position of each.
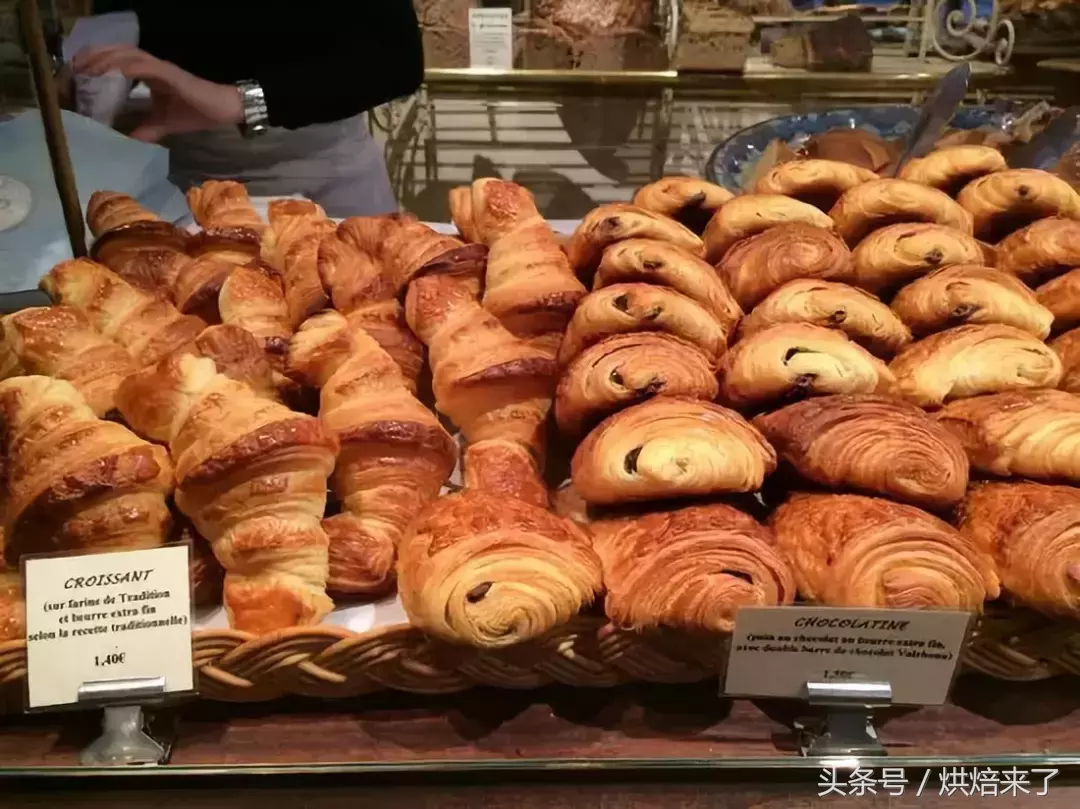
(732, 158)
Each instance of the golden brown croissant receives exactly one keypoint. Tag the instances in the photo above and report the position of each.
(761, 264)
(394, 453)
(1067, 347)
(149, 328)
(291, 220)
(953, 167)
(1061, 296)
(147, 253)
(253, 299)
(412, 249)
(291, 245)
(969, 293)
(670, 447)
(687, 200)
(878, 203)
(858, 314)
(652, 262)
(504, 469)
(223, 204)
(1002, 202)
(972, 360)
(239, 355)
(751, 214)
(625, 369)
(875, 444)
(896, 254)
(1029, 529)
(691, 569)
(795, 360)
(615, 222)
(492, 571)
(214, 254)
(74, 481)
(251, 475)
(1042, 250)
(461, 213)
(12, 606)
(368, 234)
(855, 551)
(530, 286)
(58, 341)
(623, 308)
(1028, 433)
(816, 182)
(108, 210)
(487, 381)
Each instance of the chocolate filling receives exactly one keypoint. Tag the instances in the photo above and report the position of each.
(478, 592)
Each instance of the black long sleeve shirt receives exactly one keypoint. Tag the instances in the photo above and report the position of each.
(317, 61)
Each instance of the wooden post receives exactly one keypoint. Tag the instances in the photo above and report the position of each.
(51, 118)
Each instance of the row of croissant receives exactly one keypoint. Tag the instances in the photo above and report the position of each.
(494, 359)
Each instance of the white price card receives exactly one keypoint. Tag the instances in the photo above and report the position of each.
(491, 38)
(106, 616)
(776, 651)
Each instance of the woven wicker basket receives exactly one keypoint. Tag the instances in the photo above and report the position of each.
(334, 662)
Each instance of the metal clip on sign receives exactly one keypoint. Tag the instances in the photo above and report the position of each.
(123, 739)
(847, 727)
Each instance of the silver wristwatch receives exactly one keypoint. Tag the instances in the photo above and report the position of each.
(256, 121)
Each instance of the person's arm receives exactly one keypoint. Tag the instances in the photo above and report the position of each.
(317, 62)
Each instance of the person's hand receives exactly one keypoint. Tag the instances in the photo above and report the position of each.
(181, 102)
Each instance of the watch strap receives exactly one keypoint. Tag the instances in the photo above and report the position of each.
(256, 119)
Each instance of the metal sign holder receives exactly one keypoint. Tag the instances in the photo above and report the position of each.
(847, 727)
(124, 738)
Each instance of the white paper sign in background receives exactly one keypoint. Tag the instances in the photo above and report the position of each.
(107, 616)
(491, 38)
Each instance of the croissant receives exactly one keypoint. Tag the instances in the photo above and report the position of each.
(252, 298)
(1061, 297)
(761, 264)
(687, 200)
(670, 447)
(1042, 250)
(691, 569)
(223, 204)
(969, 293)
(147, 327)
(487, 381)
(1029, 530)
(751, 214)
(394, 453)
(135, 244)
(291, 221)
(251, 475)
(529, 285)
(875, 444)
(1067, 347)
(1002, 202)
(612, 223)
(109, 210)
(897, 254)
(491, 571)
(368, 234)
(624, 369)
(504, 469)
(412, 249)
(816, 182)
(238, 355)
(623, 308)
(291, 245)
(952, 168)
(971, 360)
(461, 213)
(855, 551)
(861, 316)
(214, 255)
(878, 203)
(58, 341)
(12, 606)
(798, 359)
(1027, 433)
(653, 262)
(74, 481)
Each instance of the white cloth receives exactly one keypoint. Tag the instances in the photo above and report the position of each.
(101, 97)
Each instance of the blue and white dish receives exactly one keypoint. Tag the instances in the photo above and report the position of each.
(737, 155)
